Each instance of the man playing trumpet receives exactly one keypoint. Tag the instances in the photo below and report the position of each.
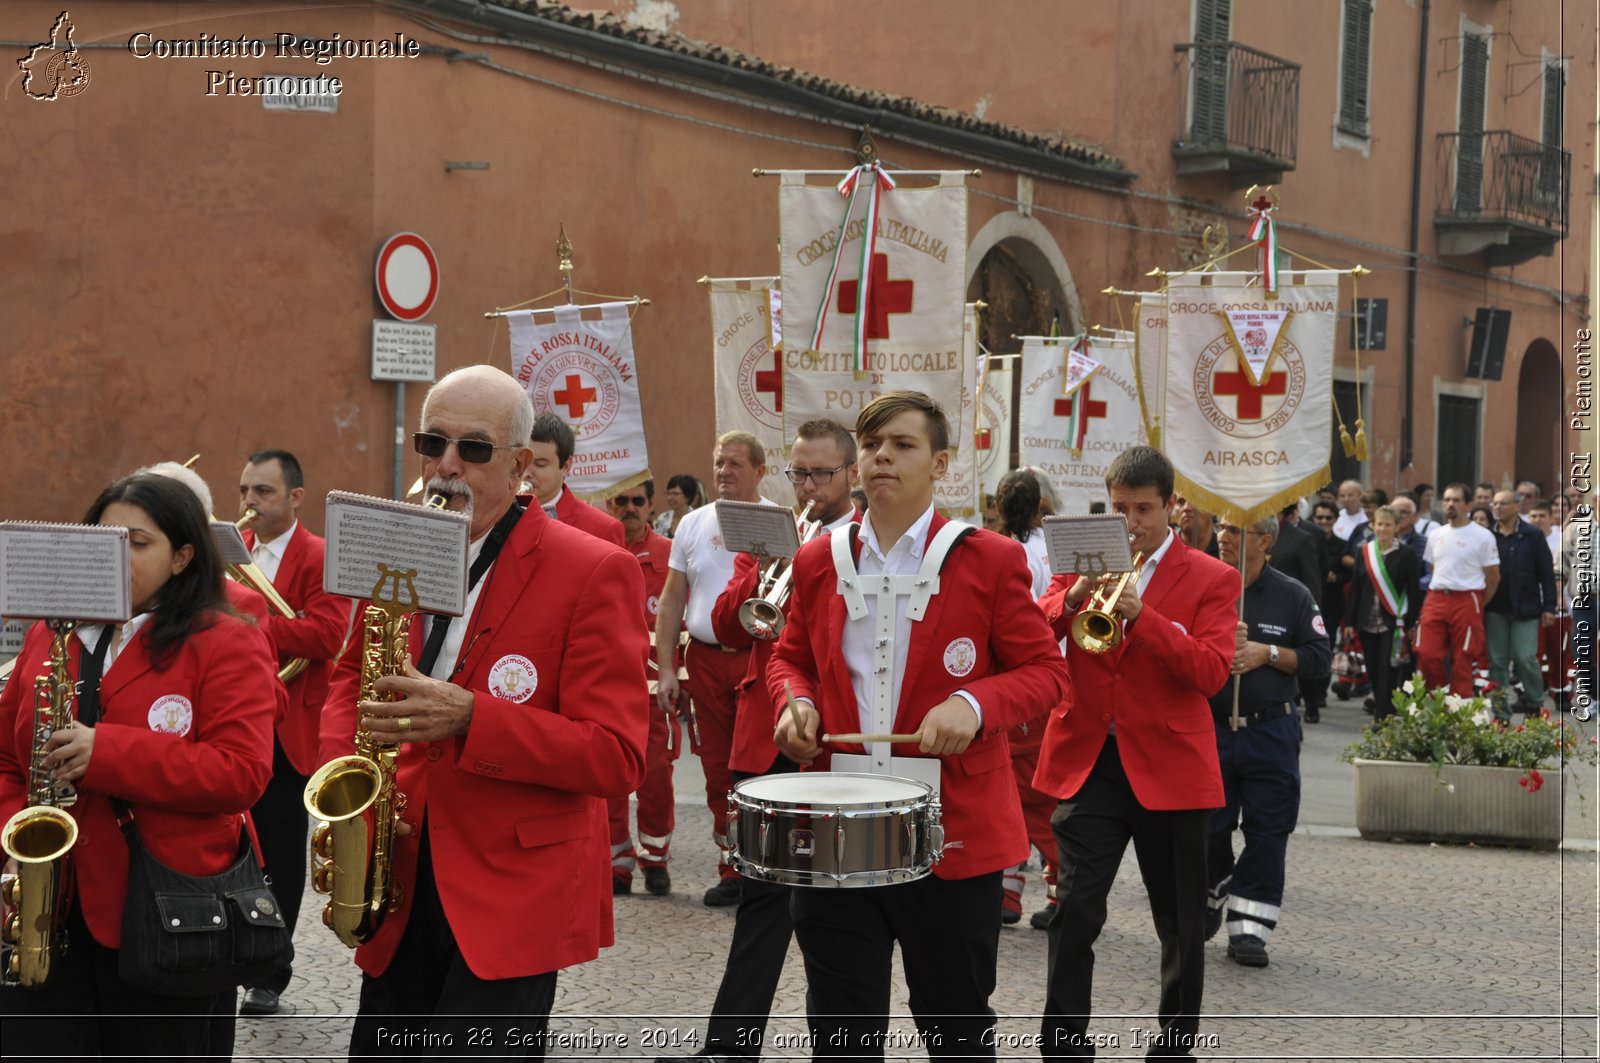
(516, 721)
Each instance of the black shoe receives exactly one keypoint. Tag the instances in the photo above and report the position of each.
(1247, 950)
(725, 894)
(620, 885)
(1010, 916)
(657, 882)
(1370, 707)
(1313, 714)
(1214, 919)
(258, 1001)
(1040, 920)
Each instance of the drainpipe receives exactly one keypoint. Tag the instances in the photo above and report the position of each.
(1407, 451)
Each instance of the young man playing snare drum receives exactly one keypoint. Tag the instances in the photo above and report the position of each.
(962, 653)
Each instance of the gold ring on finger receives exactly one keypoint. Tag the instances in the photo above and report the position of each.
(405, 723)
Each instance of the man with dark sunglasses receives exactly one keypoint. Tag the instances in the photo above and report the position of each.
(516, 721)
(656, 816)
(553, 445)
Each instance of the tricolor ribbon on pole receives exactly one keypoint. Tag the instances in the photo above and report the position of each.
(1265, 233)
(879, 180)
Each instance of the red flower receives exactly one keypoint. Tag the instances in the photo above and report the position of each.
(1532, 782)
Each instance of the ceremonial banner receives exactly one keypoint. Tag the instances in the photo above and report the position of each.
(957, 494)
(1150, 356)
(996, 425)
(907, 328)
(1246, 445)
(577, 362)
(749, 377)
(1073, 439)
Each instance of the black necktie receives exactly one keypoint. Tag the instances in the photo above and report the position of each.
(91, 666)
(491, 549)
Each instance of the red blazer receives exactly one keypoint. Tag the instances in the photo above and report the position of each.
(753, 749)
(189, 749)
(597, 522)
(652, 553)
(516, 808)
(316, 633)
(1154, 684)
(250, 604)
(985, 596)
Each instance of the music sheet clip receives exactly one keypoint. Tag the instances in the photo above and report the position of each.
(757, 528)
(64, 572)
(1089, 546)
(426, 548)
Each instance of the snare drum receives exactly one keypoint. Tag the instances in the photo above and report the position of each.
(834, 829)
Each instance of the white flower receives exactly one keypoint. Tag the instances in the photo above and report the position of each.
(1450, 788)
(1412, 709)
(1482, 717)
(1455, 702)
(1407, 687)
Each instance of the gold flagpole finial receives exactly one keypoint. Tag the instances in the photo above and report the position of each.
(1109, 291)
(190, 463)
(1358, 270)
(564, 257)
(1157, 272)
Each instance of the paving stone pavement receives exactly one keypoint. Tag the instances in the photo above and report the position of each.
(1385, 951)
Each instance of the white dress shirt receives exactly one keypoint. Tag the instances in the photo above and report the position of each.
(89, 634)
(269, 555)
(444, 667)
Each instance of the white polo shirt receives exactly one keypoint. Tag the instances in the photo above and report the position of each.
(698, 553)
(1459, 557)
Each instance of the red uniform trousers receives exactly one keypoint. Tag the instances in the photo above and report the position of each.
(1451, 629)
(713, 684)
(1555, 654)
(655, 816)
(1037, 808)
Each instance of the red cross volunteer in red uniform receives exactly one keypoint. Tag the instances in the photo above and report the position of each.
(980, 659)
(553, 445)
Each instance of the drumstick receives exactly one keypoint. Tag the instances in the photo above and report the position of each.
(794, 713)
(864, 739)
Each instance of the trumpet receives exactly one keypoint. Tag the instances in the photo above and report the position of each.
(251, 576)
(762, 616)
(1096, 628)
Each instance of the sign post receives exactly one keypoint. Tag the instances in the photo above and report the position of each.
(407, 278)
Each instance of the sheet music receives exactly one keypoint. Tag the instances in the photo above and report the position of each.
(365, 532)
(1090, 546)
(757, 528)
(64, 572)
(230, 543)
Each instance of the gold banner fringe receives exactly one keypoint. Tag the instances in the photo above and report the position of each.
(598, 498)
(1210, 503)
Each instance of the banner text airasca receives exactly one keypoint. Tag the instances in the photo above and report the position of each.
(561, 340)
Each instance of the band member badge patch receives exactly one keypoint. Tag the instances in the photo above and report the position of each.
(513, 678)
(1317, 625)
(653, 604)
(960, 657)
(171, 714)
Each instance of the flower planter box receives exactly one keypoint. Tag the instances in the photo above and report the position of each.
(1458, 803)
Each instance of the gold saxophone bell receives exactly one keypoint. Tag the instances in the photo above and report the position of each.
(762, 616)
(34, 901)
(1096, 628)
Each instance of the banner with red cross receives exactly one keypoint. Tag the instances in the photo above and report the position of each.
(577, 362)
(957, 494)
(1073, 437)
(996, 423)
(886, 286)
(1245, 439)
(749, 372)
(1150, 360)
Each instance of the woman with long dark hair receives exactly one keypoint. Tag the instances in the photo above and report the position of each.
(182, 734)
(1020, 503)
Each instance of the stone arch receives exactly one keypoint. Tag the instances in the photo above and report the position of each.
(1026, 247)
(1539, 390)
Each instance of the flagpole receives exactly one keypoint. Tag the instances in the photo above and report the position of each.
(759, 172)
(1244, 544)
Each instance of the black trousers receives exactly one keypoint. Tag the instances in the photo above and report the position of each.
(429, 1004)
(281, 824)
(88, 1011)
(1376, 648)
(1093, 829)
(949, 935)
(762, 929)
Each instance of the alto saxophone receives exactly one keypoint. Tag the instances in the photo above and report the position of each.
(355, 797)
(40, 839)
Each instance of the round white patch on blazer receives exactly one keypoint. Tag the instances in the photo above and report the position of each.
(172, 714)
(960, 657)
(513, 678)
(1317, 625)
(1180, 627)
(653, 604)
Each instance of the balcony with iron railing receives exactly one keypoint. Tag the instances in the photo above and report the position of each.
(1240, 113)
(1500, 195)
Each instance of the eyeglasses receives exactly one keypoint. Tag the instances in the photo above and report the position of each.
(820, 477)
(475, 451)
(636, 501)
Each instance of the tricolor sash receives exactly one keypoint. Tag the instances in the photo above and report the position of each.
(1394, 600)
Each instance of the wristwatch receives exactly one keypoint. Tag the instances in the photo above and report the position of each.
(1272, 656)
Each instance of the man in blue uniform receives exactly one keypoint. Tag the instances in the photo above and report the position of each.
(1286, 640)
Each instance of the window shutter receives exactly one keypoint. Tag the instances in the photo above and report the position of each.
(1469, 127)
(1353, 75)
(1555, 91)
(1209, 96)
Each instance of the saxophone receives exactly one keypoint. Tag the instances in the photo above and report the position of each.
(355, 797)
(40, 839)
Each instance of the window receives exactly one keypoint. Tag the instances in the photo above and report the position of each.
(1457, 440)
(1469, 123)
(1355, 67)
(1552, 172)
(1340, 467)
(1209, 123)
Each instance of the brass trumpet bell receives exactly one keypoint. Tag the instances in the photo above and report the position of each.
(1096, 629)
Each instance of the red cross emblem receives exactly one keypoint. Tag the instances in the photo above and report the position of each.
(1247, 406)
(770, 382)
(575, 396)
(983, 439)
(1262, 203)
(1091, 409)
(885, 297)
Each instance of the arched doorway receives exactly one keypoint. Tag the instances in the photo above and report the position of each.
(1538, 434)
